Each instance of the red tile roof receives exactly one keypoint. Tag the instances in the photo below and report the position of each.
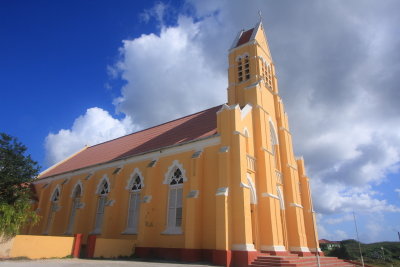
(245, 37)
(199, 125)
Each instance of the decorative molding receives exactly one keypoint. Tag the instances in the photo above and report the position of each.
(244, 185)
(296, 205)
(275, 137)
(78, 183)
(129, 231)
(197, 154)
(81, 205)
(245, 111)
(131, 180)
(252, 187)
(222, 191)
(193, 194)
(152, 163)
(109, 203)
(239, 133)
(269, 195)
(66, 181)
(147, 199)
(149, 155)
(266, 150)
(262, 108)
(272, 248)
(173, 231)
(57, 188)
(224, 107)
(285, 129)
(104, 178)
(246, 132)
(175, 165)
(224, 149)
(243, 247)
(291, 166)
(255, 84)
(90, 175)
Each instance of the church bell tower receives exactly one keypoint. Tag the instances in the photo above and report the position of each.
(250, 64)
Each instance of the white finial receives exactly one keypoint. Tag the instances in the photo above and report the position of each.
(260, 15)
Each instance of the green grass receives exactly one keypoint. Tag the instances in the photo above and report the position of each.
(373, 254)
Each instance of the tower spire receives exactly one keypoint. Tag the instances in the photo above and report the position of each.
(260, 15)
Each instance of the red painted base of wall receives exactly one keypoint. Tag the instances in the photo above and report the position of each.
(303, 254)
(217, 257)
(91, 244)
(277, 253)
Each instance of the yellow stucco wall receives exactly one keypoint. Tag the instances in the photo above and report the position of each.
(37, 247)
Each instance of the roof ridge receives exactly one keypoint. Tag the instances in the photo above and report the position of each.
(153, 126)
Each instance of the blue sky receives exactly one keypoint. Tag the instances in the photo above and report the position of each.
(82, 72)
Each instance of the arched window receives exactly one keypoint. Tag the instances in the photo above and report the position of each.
(134, 186)
(175, 179)
(243, 68)
(76, 198)
(280, 196)
(103, 189)
(55, 197)
(274, 144)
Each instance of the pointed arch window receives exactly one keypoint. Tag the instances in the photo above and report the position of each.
(76, 201)
(176, 178)
(135, 185)
(274, 145)
(102, 190)
(54, 207)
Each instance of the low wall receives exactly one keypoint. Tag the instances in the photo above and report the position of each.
(113, 248)
(37, 247)
(5, 247)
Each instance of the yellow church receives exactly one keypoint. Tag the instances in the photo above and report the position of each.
(221, 185)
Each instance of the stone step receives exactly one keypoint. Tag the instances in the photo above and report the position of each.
(297, 261)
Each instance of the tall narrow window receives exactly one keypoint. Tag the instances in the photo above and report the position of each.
(274, 145)
(246, 67)
(55, 197)
(240, 70)
(103, 190)
(135, 185)
(174, 220)
(76, 197)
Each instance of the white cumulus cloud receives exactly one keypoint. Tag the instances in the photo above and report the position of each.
(94, 127)
(168, 75)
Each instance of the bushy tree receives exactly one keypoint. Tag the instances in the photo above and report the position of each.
(17, 171)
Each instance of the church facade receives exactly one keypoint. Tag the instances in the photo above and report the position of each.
(221, 185)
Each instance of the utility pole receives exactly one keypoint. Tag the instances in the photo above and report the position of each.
(358, 240)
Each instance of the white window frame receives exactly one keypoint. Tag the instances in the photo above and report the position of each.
(76, 200)
(54, 207)
(101, 204)
(132, 222)
(175, 200)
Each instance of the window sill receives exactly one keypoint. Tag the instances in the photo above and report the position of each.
(173, 231)
(129, 232)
